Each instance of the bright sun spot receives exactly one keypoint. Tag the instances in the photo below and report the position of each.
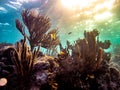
(103, 16)
(77, 3)
(80, 4)
(98, 9)
(106, 4)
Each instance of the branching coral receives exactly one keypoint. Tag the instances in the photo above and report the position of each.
(88, 66)
(37, 26)
(23, 60)
(27, 68)
(86, 52)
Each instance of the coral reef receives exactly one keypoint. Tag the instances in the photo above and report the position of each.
(83, 65)
(87, 68)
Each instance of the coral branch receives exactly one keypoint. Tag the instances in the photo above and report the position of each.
(37, 26)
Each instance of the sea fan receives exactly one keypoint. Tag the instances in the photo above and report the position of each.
(37, 26)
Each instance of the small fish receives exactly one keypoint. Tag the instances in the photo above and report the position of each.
(62, 53)
(90, 76)
(69, 32)
(53, 36)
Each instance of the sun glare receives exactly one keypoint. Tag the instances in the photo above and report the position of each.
(80, 4)
(99, 10)
(103, 16)
(77, 3)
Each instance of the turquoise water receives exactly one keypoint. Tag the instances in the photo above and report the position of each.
(64, 18)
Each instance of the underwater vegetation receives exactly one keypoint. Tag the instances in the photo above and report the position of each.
(83, 65)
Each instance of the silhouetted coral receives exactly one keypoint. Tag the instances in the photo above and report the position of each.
(88, 66)
(82, 66)
(37, 26)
